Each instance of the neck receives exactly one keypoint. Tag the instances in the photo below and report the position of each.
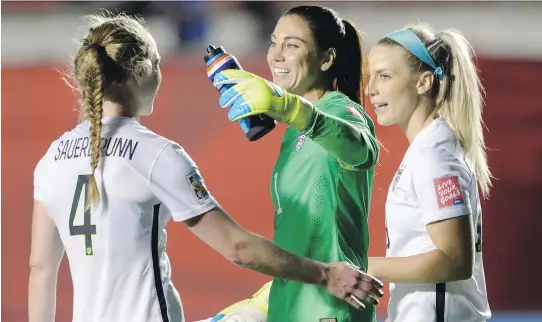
(419, 119)
(314, 95)
(115, 109)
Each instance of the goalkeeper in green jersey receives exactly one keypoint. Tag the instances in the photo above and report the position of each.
(322, 181)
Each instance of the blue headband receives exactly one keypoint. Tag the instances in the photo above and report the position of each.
(412, 43)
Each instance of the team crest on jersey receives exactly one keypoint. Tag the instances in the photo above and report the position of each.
(397, 176)
(198, 188)
(300, 142)
(448, 191)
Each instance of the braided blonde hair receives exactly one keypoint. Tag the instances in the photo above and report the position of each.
(118, 49)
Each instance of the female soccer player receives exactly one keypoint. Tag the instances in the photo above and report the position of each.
(105, 190)
(427, 83)
(322, 180)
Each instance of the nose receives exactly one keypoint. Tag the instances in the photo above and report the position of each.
(275, 54)
(372, 88)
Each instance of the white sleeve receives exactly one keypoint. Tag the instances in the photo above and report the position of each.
(175, 180)
(441, 184)
(38, 179)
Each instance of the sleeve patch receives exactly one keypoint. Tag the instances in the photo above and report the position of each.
(448, 191)
(198, 188)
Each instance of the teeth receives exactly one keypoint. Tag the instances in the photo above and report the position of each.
(379, 107)
(280, 71)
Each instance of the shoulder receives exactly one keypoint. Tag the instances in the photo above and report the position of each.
(338, 104)
(55, 147)
(439, 154)
(336, 100)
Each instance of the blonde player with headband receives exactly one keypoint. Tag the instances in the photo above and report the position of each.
(104, 192)
(427, 83)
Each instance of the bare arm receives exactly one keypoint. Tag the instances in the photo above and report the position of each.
(248, 250)
(45, 256)
(452, 260)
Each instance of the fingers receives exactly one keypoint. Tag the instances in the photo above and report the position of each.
(240, 109)
(237, 73)
(218, 317)
(371, 285)
(218, 81)
(365, 296)
(355, 302)
(373, 280)
(363, 287)
(231, 76)
(366, 278)
(228, 97)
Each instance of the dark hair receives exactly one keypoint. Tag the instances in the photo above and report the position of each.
(347, 74)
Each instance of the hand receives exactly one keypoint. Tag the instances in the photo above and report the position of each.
(252, 95)
(351, 284)
(248, 310)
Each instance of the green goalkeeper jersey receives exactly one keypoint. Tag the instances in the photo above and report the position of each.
(321, 212)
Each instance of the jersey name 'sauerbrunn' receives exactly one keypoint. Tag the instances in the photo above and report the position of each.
(114, 146)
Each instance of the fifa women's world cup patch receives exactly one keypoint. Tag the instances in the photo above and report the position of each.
(197, 186)
(448, 191)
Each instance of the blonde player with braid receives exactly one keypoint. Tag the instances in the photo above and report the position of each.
(104, 192)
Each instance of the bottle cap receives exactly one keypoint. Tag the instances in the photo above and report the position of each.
(212, 51)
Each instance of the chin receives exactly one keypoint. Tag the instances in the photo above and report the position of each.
(384, 120)
(282, 83)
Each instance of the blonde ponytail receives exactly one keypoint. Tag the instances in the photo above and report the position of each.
(458, 95)
(462, 102)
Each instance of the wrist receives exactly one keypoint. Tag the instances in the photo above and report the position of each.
(302, 112)
(324, 275)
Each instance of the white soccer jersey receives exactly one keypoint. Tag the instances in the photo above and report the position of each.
(435, 181)
(116, 252)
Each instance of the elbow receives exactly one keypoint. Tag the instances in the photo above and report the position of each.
(237, 253)
(366, 160)
(369, 155)
(464, 272)
(42, 267)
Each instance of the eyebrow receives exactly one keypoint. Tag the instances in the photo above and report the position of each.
(378, 71)
(290, 37)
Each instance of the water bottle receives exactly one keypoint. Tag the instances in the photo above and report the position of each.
(217, 60)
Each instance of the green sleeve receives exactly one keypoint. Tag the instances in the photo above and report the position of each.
(346, 137)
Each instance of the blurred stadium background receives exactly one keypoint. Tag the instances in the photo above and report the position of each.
(38, 38)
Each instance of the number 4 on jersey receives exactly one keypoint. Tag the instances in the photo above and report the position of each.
(78, 208)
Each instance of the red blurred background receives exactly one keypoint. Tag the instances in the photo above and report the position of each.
(37, 107)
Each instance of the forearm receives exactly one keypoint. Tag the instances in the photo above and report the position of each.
(346, 142)
(431, 267)
(42, 295)
(261, 255)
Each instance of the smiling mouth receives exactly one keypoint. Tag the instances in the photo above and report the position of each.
(380, 107)
(280, 72)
